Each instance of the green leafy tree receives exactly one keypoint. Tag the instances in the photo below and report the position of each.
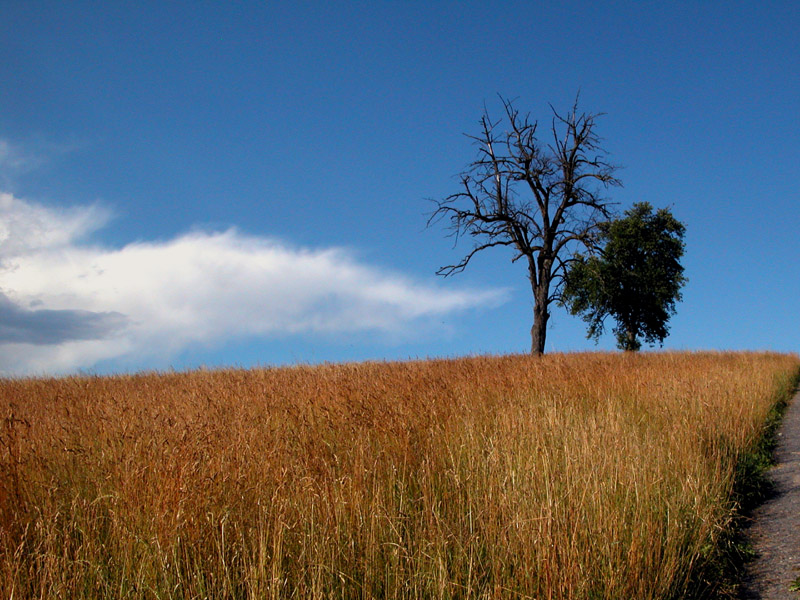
(635, 278)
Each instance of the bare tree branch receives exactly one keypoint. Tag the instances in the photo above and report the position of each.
(460, 266)
(545, 200)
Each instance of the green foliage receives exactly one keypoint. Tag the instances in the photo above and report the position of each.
(635, 278)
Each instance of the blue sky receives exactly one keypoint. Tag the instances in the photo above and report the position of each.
(198, 183)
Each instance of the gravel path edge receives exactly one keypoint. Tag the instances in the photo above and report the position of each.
(774, 531)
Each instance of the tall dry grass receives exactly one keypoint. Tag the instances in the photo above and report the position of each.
(568, 476)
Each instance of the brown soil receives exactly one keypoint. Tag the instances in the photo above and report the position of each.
(775, 529)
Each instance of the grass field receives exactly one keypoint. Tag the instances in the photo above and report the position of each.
(583, 476)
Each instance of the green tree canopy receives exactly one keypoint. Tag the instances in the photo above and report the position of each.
(635, 278)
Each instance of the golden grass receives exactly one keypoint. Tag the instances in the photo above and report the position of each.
(565, 476)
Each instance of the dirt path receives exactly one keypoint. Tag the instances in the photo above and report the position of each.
(775, 532)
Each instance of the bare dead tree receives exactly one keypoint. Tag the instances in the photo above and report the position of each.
(544, 200)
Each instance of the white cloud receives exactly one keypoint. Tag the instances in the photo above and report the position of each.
(16, 160)
(27, 228)
(10, 157)
(157, 298)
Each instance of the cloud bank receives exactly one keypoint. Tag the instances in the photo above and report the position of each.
(46, 327)
(67, 304)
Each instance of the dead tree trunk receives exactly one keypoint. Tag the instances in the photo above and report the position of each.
(539, 329)
(540, 276)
